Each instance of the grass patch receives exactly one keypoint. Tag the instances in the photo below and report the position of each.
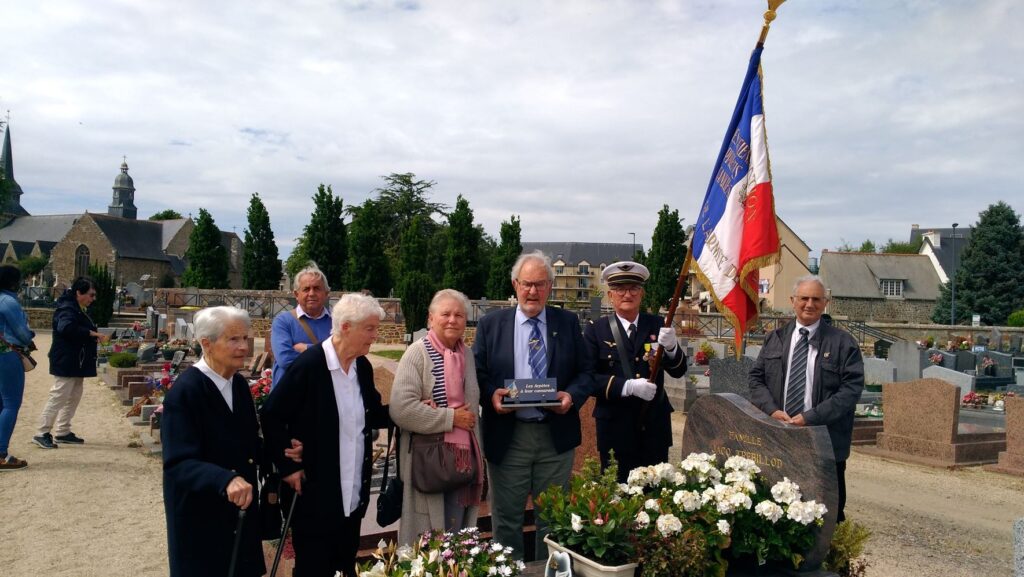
(392, 354)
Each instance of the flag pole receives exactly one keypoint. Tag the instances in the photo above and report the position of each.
(655, 362)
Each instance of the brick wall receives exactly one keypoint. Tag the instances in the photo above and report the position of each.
(882, 310)
(84, 232)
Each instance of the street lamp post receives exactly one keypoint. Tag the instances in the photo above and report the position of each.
(632, 254)
(952, 280)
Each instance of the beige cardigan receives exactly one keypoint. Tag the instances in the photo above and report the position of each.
(413, 384)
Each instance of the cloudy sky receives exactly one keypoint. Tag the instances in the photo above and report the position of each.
(583, 117)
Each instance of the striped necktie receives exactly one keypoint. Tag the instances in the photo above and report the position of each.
(798, 377)
(538, 351)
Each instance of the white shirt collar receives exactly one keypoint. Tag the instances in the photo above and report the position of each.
(521, 317)
(626, 323)
(323, 313)
(333, 362)
(223, 385)
(811, 329)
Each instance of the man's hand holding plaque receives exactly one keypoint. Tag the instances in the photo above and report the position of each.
(524, 393)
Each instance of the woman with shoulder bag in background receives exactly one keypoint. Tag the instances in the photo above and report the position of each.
(16, 335)
(435, 393)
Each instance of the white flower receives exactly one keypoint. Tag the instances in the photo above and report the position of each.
(690, 500)
(805, 512)
(643, 519)
(492, 570)
(723, 527)
(665, 471)
(786, 491)
(474, 551)
(376, 571)
(520, 565)
(742, 465)
(500, 558)
(505, 570)
(598, 521)
(769, 510)
(404, 552)
(577, 522)
(651, 504)
(417, 569)
(495, 546)
(669, 524)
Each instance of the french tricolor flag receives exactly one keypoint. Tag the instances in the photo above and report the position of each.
(736, 234)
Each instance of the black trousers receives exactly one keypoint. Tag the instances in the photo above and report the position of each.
(841, 477)
(322, 554)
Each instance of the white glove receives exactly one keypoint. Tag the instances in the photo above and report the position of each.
(667, 338)
(639, 388)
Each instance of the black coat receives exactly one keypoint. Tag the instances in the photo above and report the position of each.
(493, 351)
(205, 445)
(836, 387)
(618, 417)
(73, 352)
(303, 406)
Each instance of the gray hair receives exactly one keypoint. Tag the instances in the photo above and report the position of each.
(448, 294)
(537, 256)
(210, 323)
(354, 308)
(314, 270)
(809, 278)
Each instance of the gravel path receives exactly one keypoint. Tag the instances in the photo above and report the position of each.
(97, 509)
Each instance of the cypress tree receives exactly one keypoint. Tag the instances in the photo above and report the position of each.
(499, 283)
(261, 269)
(462, 270)
(207, 258)
(102, 308)
(367, 263)
(325, 236)
(665, 258)
(416, 287)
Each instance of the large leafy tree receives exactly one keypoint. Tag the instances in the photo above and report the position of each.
(463, 270)
(168, 214)
(207, 258)
(299, 257)
(897, 247)
(261, 269)
(102, 308)
(665, 259)
(416, 286)
(325, 234)
(990, 278)
(367, 264)
(499, 283)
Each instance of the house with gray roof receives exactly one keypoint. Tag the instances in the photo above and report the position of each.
(578, 267)
(943, 246)
(880, 287)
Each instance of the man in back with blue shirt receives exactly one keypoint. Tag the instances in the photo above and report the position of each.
(308, 324)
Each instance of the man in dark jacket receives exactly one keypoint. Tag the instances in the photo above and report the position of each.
(72, 358)
(811, 373)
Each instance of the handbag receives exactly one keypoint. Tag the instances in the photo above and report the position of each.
(389, 502)
(434, 467)
(27, 362)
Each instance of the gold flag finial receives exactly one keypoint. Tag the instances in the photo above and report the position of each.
(773, 5)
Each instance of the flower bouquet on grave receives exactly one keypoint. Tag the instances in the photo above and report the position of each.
(971, 399)
(443, 554)
(701, 358)
(260, 388)
(935, 358)
(696, 517)
(988, 365)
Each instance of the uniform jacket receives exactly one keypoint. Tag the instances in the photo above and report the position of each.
(205, 445)
(73, 352)
(616, 415)
(414, 383)
(837, 383)
(303, 406)
(493, 350)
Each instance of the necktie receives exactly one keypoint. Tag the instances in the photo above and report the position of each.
(631, 331)
(538, 351)
(798, 377)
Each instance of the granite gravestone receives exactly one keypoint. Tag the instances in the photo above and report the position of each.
(729, 375)
(752, 351)
(1018, 548)
(180, 328)
(966, 361)
(908, 359)
(726, 424)
(1011, 461)
(879, 371)
(1015, 342)
(147, 353)
(962, 380)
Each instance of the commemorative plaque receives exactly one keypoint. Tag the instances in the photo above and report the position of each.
(525, 393)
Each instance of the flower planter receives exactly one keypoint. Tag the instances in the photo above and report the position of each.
(584, 567)
(167, 354)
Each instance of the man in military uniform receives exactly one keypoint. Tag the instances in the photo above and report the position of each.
(633, 414)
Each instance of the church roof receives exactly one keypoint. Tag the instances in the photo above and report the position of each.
(133, 238)
(49, 227)
(46, 246)
(171, 228)
(22, 248)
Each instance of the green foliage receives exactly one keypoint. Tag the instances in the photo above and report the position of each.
(166, 280)
(32, 265)
(847, 545)
(592, 495)
(463, 270)
(896, 247)
(261, 269)
(168, 214)
(123, 360)
(325, 236)
(102, 308)
(207, 258)
(416, 286)
(299, 257)
(867, 246)
(368, 266)
(499, 282)
(665, 259)
(708, 350)
(990, 275)
(400, 200)
(1016, 319)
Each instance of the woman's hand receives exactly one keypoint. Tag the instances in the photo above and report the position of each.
(295, 481)
(295, 452)
(239, 492)
(464, 419)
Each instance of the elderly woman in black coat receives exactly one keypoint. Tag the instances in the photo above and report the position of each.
(211, 445)
(327, 400)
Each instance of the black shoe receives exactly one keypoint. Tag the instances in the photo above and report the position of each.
(45, 441)
(70, 439)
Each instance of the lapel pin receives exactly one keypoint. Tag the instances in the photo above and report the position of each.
(826, 355)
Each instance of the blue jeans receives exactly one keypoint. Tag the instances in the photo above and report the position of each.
(12, 388)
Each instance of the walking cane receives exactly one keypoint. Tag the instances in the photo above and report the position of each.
(238, 541)
(284, 535)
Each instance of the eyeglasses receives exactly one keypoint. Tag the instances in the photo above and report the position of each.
(621, 290)
(529, 286)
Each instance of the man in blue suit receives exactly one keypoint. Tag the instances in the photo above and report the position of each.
(529, 449)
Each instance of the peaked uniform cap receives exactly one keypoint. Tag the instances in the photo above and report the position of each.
(625, 272)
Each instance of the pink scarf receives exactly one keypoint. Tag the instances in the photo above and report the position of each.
(462, 441)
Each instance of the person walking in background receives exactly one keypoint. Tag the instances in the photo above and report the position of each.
(72, 358)
(307, 324)
(15, 334)
(435, 391)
